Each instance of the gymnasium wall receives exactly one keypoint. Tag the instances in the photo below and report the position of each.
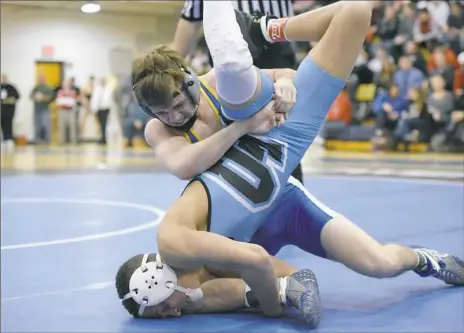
(99, 44)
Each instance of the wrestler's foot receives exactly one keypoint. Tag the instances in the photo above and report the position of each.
(302, 292)
(250, 27)
(442, 266)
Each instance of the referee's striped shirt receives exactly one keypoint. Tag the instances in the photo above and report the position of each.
(193, 9)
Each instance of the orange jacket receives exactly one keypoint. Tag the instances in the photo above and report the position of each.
(341, 109)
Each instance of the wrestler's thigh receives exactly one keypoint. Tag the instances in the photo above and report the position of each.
(307, 217)
(340, 45)
(298, 219)
(348, 244)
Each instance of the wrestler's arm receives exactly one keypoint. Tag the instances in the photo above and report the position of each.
(280, 73)
(189, 249)
(225, 291)
(185, 160)
(182, 246)
(219, 295)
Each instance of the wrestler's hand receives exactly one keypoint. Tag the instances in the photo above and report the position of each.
(263, 121)
(285, 95)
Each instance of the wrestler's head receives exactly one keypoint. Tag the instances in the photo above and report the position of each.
(166, 88)
(148, 288)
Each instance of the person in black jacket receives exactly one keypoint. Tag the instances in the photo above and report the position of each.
(9, 97)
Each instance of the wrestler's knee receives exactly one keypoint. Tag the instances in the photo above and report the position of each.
(357, 13)
(258, 255)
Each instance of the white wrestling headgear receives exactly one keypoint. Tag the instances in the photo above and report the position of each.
(153, 282)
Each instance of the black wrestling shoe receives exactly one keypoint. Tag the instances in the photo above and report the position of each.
(302, 292)
(250, 26)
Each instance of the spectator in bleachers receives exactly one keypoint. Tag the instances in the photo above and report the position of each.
(388, 28)
(417, 58)
(453, 29)
(439, 11)
(426, 31)
(407, 77)
(442, 68)
(383, 67)
(412, 123)
(420, 39)
(450, 56)
(458, 85)
(454, 135)
(388, 106)
(378, 10)
(361, 74)
(406, 19)
(440, 104)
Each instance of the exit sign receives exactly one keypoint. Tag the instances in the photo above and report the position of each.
(48, 51)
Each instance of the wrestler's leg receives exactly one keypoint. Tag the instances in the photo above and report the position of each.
(281, 268)
(340, 30)
(348, 244)
(353, 247)
(220, 295)
(317, 229)
(236, 78)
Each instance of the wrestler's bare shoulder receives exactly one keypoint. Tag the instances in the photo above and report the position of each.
(156, 132)
(210, 78)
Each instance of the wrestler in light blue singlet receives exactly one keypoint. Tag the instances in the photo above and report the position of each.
(245, 183)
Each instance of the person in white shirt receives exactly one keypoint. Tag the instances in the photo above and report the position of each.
(101, 103)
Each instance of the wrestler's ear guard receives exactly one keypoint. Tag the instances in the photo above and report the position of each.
(153, 282)
(190, 86)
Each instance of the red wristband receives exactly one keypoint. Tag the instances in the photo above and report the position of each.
(276, 29)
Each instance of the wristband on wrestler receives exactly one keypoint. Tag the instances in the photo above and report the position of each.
(275, 30)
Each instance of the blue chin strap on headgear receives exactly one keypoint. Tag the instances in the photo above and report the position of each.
(191, 88)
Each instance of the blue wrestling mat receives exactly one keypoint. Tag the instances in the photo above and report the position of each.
(64, 237)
